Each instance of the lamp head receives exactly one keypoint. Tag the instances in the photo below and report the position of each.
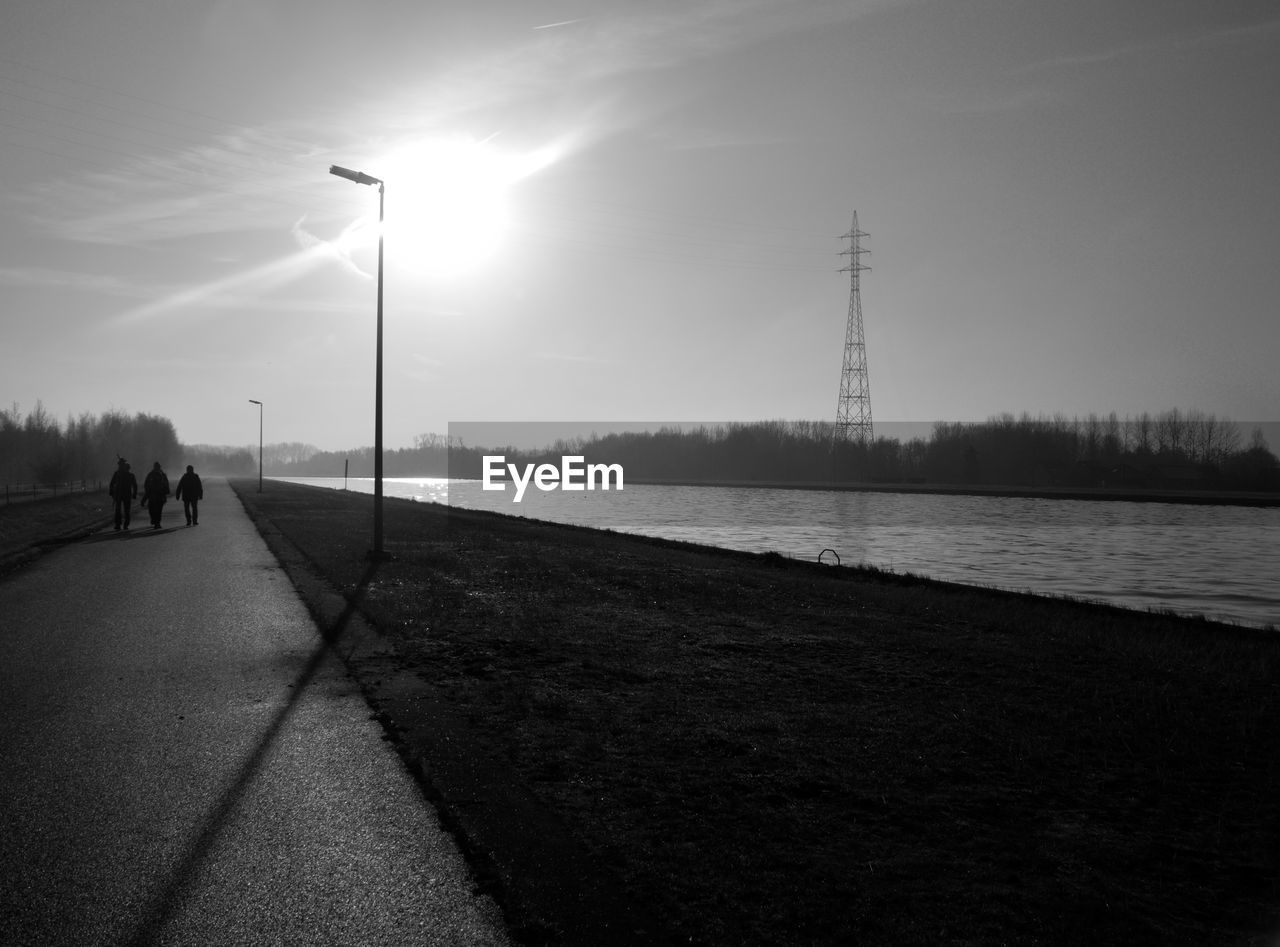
(358, 176)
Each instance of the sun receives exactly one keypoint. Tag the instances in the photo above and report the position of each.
(447, 205)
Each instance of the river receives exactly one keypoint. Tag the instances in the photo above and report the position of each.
(1222, 562)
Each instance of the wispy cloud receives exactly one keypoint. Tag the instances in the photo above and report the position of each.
(421, 367)
(243, 290)
(570, 357)
(244, 181)
(609, 46)
(47, 278)
(1168, 43)
(991, 101)
(1025, 86)
(258, 179)
(338, 250)
(552, 26)
(711, 139)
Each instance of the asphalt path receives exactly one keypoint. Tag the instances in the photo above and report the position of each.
(184, 761)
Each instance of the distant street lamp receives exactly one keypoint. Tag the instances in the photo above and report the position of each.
(359, 177)
(259, 404)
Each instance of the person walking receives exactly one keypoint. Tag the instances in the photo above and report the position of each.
(123, 490)
(190, 491)
(155, 490)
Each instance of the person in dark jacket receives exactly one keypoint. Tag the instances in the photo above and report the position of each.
(190, 491)
(155, 490)
(123, 490)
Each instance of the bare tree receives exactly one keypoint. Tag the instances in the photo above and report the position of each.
(1219, 437)
(1112, 437)
(1138, 434)
(1171, 433)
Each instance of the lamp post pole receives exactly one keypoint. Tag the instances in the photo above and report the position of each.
(359, 177)
(259, 404)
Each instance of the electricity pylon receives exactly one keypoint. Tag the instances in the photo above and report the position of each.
(853, 414)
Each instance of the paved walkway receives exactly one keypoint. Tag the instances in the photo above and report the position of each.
(182, 761)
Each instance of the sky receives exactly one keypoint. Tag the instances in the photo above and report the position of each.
(632, 211)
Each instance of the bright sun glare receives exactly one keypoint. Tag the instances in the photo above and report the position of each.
(446, 203)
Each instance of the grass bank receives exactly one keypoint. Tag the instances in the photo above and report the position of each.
(32, 525)
(739, 749)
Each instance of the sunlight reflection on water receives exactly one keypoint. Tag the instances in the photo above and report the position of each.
(1219, 561)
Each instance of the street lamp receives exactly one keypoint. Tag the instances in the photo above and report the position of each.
(359, 177)
(259, 404)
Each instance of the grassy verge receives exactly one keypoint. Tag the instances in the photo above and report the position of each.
(27, 527)
(768, 752)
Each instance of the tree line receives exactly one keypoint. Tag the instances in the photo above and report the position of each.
(1167, 450)
(1171, 449)
(1174, 448)
(37, 448)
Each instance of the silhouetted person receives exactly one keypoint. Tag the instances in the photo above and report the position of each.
(155, 490)
(190, 491)
(123, 490)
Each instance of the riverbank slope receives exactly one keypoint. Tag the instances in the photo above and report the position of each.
(730, 748)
